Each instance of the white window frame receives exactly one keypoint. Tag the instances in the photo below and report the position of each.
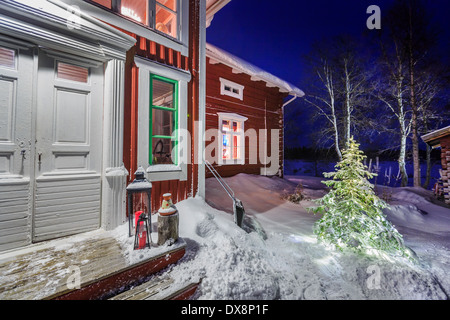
(234, 86)
(161, 172)
(236, 118)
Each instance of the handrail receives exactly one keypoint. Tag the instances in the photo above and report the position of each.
(221, 181)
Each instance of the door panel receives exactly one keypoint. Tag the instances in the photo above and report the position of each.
(16, 72)
(68, 151)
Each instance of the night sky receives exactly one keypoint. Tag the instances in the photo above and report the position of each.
(276, 35)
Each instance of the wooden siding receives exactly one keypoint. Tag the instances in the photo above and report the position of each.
(445, 161)
(14, 215)
(262, 106)
(154, 51)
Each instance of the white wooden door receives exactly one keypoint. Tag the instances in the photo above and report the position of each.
(68, 148)
(16, 76)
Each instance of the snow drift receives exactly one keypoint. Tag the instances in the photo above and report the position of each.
(286, 262)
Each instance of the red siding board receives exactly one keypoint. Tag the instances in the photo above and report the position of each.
(157, 52)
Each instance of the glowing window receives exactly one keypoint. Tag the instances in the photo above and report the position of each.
(135, 9)
(161, 15)
(232, 142)
(166, 17)
(105, 3)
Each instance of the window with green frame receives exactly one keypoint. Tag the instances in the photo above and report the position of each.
(163, 120)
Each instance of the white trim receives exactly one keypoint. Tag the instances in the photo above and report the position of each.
(232, 116)
(234, 86)
(202, 102)
(115, 175)
(91, 39)
(161, 172)
(236, 118)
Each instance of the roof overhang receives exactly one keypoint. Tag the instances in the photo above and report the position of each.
(433, 138)
(212, 7)
(58, 27)
(238, 65)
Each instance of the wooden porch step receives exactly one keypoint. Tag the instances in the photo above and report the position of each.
(159, 288)
(44, 271)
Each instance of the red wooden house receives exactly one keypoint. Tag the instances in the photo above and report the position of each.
(441, 139)
(90, 90)
(244, 115)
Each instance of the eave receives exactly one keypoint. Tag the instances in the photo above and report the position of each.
(212, 7)
(433, 138)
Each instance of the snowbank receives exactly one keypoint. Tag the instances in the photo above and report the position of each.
(289, 263)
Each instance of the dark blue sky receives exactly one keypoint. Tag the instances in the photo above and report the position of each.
(276, 35)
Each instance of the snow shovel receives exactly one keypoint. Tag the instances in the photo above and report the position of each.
(238, 207)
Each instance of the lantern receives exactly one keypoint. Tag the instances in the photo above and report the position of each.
(139, 200)
(142, 236)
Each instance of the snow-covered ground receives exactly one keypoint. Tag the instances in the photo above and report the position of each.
(284, 260)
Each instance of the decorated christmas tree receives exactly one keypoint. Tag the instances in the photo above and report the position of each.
(352, 212)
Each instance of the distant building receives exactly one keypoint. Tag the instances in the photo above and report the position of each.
(441, 138)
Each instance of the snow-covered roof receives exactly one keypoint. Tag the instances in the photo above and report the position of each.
(255, 73)
(433, 137)
(212, 7)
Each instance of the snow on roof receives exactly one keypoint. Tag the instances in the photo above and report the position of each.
(432, 137)
(256, 73)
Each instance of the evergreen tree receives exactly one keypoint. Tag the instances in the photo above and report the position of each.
(352, 212)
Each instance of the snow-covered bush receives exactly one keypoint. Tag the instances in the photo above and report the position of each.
(352, 212)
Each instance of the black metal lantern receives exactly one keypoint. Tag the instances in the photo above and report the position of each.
(139, 200)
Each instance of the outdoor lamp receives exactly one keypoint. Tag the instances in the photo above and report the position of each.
(139, 201)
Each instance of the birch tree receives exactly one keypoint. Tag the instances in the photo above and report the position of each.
(325, 103)
(390, 88)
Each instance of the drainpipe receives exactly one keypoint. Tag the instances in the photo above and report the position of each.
(282, 111)
(287, 102)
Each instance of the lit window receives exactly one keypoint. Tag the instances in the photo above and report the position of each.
(166, 17)
(162, 15)
(135, 9)
(163, 121)
(105, 3)
(232, 141)
(232, 89)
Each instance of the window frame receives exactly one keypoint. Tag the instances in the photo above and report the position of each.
(232, 117)
(174, 110)
(161, 172)
(111, 16)
(232, 85)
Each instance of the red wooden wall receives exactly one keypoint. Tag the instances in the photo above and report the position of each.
(445, 161)
(154, 51)
(262, 106)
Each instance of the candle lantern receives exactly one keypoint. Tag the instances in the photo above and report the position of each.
(139, 200)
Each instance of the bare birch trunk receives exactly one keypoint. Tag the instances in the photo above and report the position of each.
(414, 122)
